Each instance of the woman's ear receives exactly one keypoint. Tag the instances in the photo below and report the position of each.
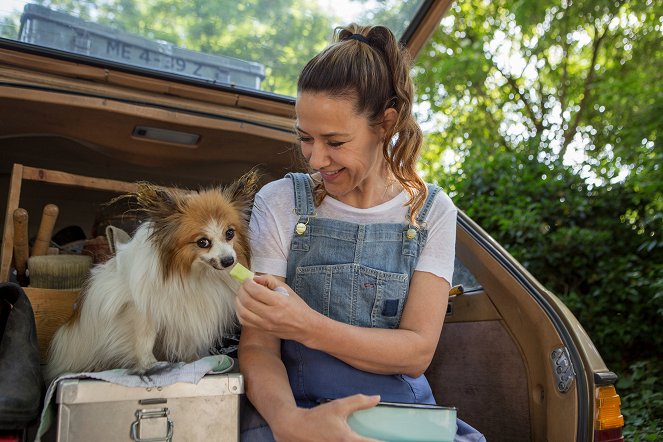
(389, 121)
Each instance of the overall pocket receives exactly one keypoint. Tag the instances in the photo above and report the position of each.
(354, 294)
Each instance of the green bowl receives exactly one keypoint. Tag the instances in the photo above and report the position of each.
(396, 422)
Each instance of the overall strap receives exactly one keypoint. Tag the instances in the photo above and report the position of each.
(304, 209)
(423, 213)
(303, 194)
(415, 238)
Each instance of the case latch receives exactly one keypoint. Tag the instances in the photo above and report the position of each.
(152, 426)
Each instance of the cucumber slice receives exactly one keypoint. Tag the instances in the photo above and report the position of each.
(241, 273)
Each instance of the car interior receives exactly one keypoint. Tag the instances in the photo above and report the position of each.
(493, 359)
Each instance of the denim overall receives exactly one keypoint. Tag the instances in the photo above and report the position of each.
(358, 274)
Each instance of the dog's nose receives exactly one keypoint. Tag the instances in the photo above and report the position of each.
(227, 261)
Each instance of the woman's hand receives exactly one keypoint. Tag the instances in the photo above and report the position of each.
(285, 317)
(326, 422)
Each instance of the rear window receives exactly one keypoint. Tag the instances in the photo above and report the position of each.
(255, 45)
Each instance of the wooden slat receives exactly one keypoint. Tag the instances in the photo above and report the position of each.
(8, 232)
(239, 121)
(233, 106)
(68, 179)
(141, 84)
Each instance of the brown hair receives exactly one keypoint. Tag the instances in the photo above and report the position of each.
(367, 64)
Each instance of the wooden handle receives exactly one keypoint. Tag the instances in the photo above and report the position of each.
(20, 241)
(43, 241)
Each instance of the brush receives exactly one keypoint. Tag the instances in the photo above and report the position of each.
(21, 248)
(43, 240)
(64, 272)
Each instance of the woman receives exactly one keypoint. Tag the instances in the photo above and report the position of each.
(363, 245)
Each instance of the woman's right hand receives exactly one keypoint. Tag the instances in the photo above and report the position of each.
(260, 307)
(326, 422)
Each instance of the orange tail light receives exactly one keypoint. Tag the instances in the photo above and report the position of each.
(608, 419)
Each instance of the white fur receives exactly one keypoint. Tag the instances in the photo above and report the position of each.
(131, 317)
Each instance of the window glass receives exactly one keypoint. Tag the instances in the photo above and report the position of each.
(260, 45)
(463, 276)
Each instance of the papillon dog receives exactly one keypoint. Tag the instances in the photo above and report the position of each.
(166, 294)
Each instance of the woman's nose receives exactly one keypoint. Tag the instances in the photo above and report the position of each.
(319, 157)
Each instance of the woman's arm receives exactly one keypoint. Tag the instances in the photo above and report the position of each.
(406, 350)
(266, 380)
(269, 391)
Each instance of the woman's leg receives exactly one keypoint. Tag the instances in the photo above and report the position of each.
(467, 433)
(252, 427)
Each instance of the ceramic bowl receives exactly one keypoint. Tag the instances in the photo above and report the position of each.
(396, 422)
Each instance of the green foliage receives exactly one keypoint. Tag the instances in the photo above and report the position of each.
(642, 399)
(9, 25)
(543, 121)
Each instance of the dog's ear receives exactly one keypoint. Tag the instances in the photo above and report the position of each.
(157, 202)
(243, 190)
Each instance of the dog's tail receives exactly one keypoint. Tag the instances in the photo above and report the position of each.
(68, 352)
(82, 344)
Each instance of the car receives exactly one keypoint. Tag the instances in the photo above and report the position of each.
(93, 98)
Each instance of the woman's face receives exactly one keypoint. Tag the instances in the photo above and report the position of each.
(343, 148)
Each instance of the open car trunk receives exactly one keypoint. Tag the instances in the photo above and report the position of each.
(511, 357)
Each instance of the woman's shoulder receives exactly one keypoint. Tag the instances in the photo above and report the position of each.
(279, 188)
(276, 198)
(442, 202)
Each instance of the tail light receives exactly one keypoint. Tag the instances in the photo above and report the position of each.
(608, 419)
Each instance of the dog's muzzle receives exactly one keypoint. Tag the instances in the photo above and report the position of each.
(222, 262)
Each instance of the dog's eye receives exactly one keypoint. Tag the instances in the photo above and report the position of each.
(230, 234)
(204, 243)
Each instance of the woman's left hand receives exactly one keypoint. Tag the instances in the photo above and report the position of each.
(259, 306)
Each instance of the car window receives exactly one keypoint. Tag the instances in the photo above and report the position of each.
(259, 45)
(463, 276)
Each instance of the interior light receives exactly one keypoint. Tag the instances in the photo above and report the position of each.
(166, 136)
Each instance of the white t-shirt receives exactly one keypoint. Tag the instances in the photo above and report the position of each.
(273, 221)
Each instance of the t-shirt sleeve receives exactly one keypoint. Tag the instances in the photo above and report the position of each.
(438, 254)
(270, 228)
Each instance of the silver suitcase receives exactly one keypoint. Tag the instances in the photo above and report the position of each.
(99, 411)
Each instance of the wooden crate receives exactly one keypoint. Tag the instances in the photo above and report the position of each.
(51, 307)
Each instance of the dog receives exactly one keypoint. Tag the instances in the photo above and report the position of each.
(166, 295)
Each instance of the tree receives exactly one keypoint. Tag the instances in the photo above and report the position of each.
(542, 121)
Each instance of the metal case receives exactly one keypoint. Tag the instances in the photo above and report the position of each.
(104, 412)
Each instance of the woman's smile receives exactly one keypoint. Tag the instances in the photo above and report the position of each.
(330, 175)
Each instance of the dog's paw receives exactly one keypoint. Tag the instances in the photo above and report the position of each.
(145, 374)
(161, 368)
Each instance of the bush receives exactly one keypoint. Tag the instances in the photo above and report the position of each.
(642, 401)
(585, 245)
